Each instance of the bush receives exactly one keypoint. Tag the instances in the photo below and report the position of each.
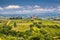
(15, 24)
(28, 32)
(57, 26)
(38, 26)
(32, 20)
(5, 29)
(13, 33)
(35, 23)
(20, 34)
(39, 22)
(43, 32)
(31, 27)
(54, 26)
(35, 38)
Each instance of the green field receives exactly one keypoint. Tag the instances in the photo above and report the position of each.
(27, 29)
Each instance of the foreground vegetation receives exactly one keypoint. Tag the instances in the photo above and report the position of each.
(29, 29)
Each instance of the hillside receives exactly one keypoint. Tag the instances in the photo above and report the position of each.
(27, 29)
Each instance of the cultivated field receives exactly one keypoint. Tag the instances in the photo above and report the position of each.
(27, 29)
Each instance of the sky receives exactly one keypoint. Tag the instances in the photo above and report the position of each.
(29, 6)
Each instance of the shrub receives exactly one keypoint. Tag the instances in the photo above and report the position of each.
(31, 27)
(43, 32)
(35, 38)
(35, 23)
(38, 26)
(15, 24)
(39, 22)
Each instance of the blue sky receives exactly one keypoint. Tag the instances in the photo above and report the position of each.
(30, 2)
(29, 6)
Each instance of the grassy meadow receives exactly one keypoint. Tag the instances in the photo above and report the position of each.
(27, 29)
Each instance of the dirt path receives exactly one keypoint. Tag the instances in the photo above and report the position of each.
(8, 22)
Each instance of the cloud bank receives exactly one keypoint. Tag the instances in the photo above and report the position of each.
(26, 9)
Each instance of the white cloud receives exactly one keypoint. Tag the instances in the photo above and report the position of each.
(36, 9)
(43, 10)
(36, 6)
(58, 8)
(23, 11)
(29, 9)
(1, 8)
(12, 7)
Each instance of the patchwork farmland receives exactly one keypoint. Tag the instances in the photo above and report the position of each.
(27, 29)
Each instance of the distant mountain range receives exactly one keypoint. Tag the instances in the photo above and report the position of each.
(33, 14)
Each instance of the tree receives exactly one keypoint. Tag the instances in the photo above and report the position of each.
(15, 24)
(39, 22)
(31, 27)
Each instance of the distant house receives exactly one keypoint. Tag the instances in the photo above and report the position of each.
(33, 17)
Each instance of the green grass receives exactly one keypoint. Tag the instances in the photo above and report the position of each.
(23, 25)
